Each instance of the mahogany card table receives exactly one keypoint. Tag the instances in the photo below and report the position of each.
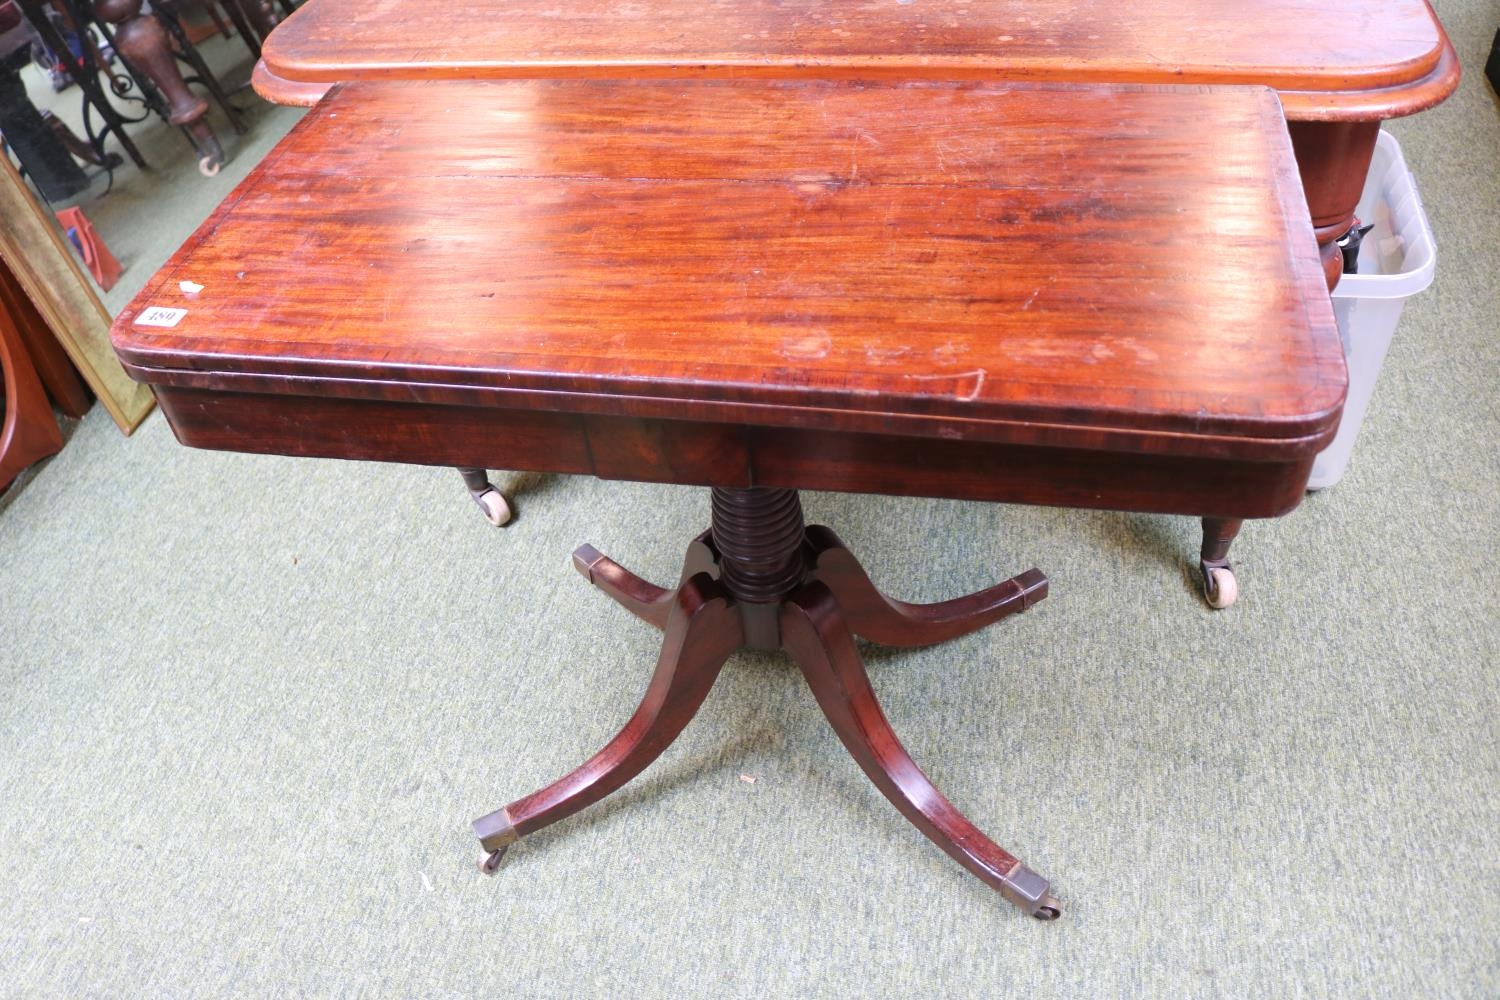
(967, 290)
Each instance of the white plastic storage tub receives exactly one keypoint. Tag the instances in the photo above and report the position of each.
(1396, 260)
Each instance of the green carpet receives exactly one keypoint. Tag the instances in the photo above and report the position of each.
(249, 706)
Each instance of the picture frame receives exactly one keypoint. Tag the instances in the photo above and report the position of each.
(52, 279)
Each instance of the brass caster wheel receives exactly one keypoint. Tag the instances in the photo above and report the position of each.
(496, 510)
(1050, 909)
(1220, 587)
(490, 863)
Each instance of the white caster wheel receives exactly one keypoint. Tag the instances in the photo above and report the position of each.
(496, 510)
(1220, 587)
(208, 166)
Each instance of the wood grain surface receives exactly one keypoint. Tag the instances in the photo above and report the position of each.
(1127, 268)
(1330, 58)
(289, 92)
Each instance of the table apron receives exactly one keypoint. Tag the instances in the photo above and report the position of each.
(702, 453)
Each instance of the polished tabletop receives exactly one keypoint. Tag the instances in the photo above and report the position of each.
(949, 258)
(1330, 59)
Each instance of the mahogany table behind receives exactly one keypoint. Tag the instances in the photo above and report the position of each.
(954, 290)
(1339, 66)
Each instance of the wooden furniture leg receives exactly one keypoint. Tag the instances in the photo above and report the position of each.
(1219, 584)
(1333, 158)
(815, 633)
(141, 39)
(872, 615)
(702, 631)
(782, 585)
(645, 600)
(168, 12)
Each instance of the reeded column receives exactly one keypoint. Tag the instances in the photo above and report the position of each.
(759, 537)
